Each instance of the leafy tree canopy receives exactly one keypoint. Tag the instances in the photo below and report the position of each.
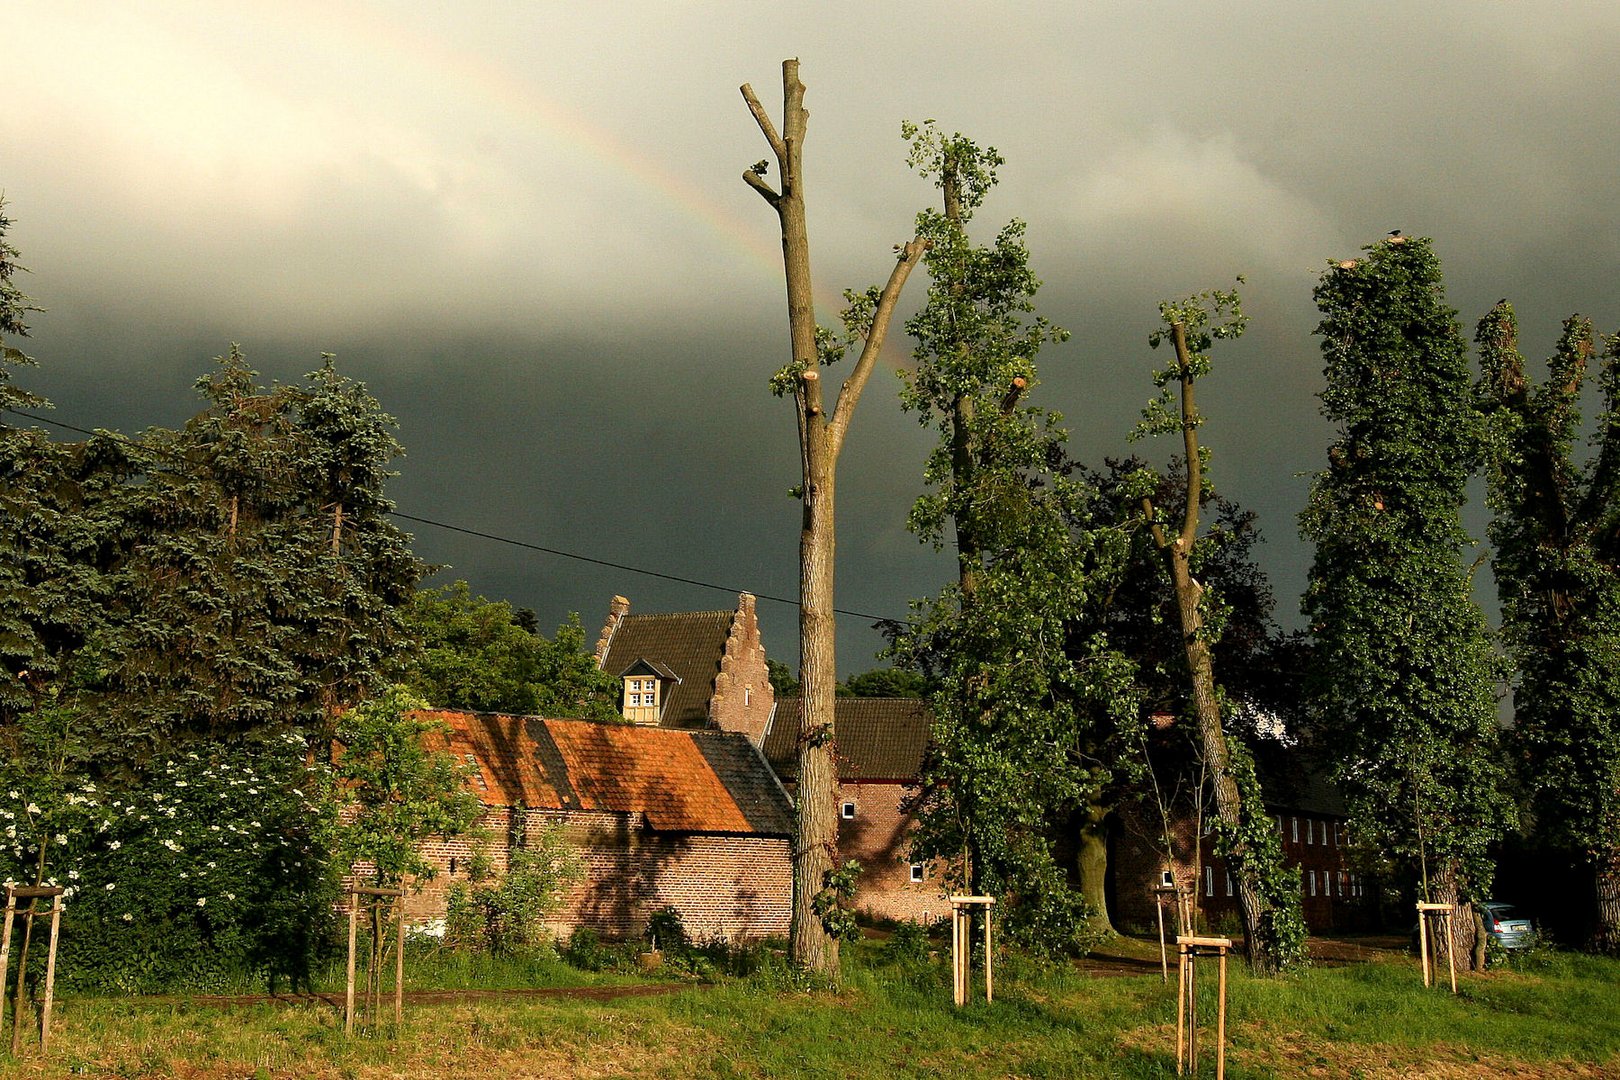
(477, 654)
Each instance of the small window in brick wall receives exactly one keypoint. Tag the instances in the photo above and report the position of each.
(848, 810)
(916, 871)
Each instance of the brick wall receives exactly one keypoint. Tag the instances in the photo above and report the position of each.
(876, 836)
(743, 696)
(1332, 896)
(729, 887)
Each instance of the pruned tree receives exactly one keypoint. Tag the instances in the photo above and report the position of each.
(821, 439)
(1404, 673)
(1556, 534)
(1268, 896)
(1025, 688)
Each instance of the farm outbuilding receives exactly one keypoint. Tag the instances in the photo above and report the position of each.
(692, 820)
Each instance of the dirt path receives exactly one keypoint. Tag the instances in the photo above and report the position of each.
(430, 997)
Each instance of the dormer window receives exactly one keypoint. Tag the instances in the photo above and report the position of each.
(641, 699)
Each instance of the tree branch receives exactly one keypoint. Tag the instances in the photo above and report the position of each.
(757, 182)
(1014, 392)
(910, 255)
(763, 119)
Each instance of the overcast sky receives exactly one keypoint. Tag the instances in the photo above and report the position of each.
(523, 226)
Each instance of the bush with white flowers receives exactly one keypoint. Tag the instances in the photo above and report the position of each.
(212, 868)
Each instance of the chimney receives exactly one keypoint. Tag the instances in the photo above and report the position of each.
(617, 610)
(743, 699)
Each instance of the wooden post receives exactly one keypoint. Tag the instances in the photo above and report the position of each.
(1427, 942)
(989, 959)
(399, 962)
(1189, 949)
(5, 950)
(962, 908)
(348, 994)
(50, 978)
(31, 893)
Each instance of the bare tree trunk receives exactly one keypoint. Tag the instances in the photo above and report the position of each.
(820, 439)
(1607, 864)
(1467, 928)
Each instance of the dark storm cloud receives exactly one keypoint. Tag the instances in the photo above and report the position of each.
(524, 228)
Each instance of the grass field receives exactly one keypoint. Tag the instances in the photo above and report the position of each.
(1557, 1015)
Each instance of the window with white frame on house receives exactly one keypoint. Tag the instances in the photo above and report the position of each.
(1209, 881)
(1229, 883)
(916, 871)
(847, 810)
(1310, 831)
(1313, 882)
(1296, 830)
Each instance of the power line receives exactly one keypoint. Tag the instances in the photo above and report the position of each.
(465, 531)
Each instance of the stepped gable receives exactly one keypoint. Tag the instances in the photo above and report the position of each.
(687, 644)
(677, 781)
(876, 739)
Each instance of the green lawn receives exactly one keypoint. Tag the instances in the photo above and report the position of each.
(1557, 1016)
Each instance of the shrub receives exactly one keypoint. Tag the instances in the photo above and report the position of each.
(207, 870)
(509, 914)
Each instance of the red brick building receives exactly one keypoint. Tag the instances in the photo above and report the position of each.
(1310, 816)
(878, 750)
(662, 818)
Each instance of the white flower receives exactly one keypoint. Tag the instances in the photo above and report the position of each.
(14, 794)
(115, 844)
(61, 838)
(171, 845)
(73, 875)
(111, 886)
(32, 808)
(254, 824)
(202, 900)
(179, 783)
(230, 896)
(128, 917)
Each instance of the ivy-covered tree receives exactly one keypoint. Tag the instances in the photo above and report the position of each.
(1404, 673)
(1268, 895)
(15, 306)
(1021, 691)
(477, 654)
(1556, 535)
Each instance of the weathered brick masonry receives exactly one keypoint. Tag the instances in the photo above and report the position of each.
(690, 820)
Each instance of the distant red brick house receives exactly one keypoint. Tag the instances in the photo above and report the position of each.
(879, 747)
(1310, 815)
(663, 818)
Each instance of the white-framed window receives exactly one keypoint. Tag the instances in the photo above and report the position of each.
(1296, 830)
(917, 871)
(1310, 831)
(1229, 883)
(1341, 884)
(748, 696)
(1209, 881)
(847, 810)
(1313, 882)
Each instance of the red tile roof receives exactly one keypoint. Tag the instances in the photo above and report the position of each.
(681, 781)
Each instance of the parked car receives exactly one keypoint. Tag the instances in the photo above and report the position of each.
(1505, 924)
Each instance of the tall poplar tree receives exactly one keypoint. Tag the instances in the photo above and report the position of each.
(821, 441)
(1268, 895)
(1027, 688)
(1404, 680)
(1556, 535)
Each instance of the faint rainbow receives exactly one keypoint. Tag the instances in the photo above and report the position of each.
(498, 88)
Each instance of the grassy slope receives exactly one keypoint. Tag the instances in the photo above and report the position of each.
(1370, 1020)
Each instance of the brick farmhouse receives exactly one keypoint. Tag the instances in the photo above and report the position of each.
(689, 803)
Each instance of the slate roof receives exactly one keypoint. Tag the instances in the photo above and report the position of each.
(688, 644)
(875, 738)
(681, 781)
